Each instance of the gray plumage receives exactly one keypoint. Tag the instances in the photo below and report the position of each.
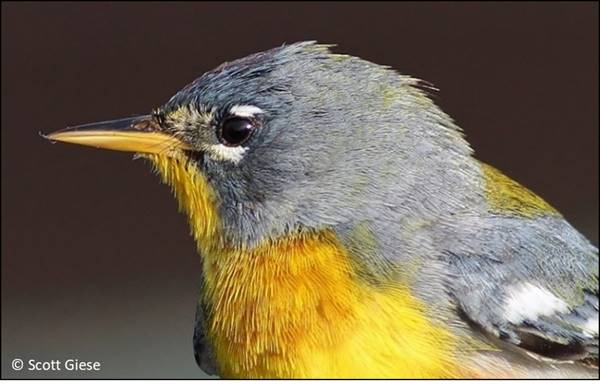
(357, 147)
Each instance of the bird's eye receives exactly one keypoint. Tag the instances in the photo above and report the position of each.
(235, 131)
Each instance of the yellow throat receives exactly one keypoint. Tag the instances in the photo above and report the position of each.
(294, 307)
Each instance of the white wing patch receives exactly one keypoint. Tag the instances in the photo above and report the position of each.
(245, 110)
(590, 327)
(528, 302)
(221, 152)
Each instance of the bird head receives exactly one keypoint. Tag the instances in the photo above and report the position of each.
(292, 139)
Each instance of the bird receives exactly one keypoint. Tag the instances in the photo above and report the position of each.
(346, 230)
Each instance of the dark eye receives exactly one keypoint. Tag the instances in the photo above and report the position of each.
(235, 131)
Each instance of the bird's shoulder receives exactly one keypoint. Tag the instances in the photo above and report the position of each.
(515, 269)
(530, 279)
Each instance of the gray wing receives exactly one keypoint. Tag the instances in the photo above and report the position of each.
(536, 285)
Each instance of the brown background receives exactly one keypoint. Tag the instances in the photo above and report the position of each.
(96, 262)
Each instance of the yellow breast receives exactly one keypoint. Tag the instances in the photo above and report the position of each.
(296, 308)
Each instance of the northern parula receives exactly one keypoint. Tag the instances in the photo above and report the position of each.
(346, 230)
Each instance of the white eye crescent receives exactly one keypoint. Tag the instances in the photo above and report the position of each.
(245, 110)
(221, 152)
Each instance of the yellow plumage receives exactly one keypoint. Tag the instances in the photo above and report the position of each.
(444, 267)
(295, 307)
(505, 195)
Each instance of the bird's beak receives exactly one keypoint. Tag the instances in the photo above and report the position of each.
(141, 134)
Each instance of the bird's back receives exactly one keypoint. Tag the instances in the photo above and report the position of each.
(525, 277)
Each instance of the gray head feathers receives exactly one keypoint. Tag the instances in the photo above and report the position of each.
(329, 121)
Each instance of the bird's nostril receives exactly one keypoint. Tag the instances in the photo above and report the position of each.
(146, 125)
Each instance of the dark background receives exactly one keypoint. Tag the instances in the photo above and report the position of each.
(97, 263)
